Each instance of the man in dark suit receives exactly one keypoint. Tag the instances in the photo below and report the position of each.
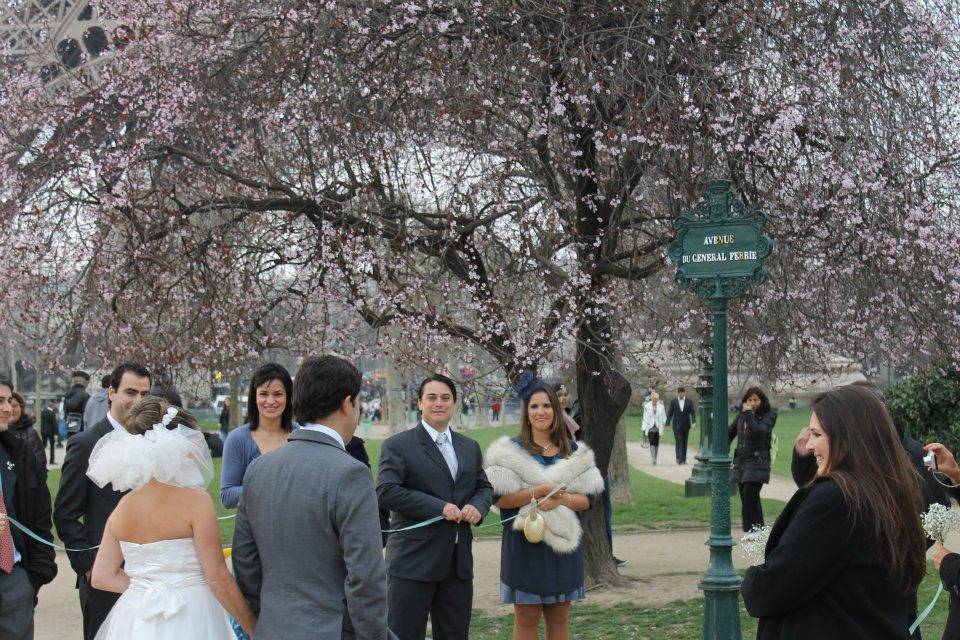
(682, 414)
(81, 509)
(48, 428)
(425, 472)
(25, 563)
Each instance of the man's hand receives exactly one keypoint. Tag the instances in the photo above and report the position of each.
(451, 512)
(940, 552)
(946, 463)
(470, 515)
(802, 440)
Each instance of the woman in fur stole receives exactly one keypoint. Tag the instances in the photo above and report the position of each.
(543, 577)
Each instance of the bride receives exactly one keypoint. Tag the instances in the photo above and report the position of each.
(161, 546)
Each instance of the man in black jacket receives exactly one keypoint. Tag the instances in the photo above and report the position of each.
(82, 508)
(682, 415)
(425, 472)
(25, 564)
(75, 402)
(48, 428)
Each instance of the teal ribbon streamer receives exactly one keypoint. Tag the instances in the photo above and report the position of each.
(27, 531)
(926, 612)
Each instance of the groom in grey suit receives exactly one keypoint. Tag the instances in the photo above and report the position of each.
(306, 550)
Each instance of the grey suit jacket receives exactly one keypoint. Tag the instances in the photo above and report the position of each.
(306, 549)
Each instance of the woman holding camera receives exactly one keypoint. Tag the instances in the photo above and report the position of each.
(848, 548)
(946, 561)
(753, 429)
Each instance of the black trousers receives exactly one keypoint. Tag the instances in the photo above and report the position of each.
(52, 439)
(654, 438)
(94, 605)
(680, 436)
(449, 604)
(750, 507)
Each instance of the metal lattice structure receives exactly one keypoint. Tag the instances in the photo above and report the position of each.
(58, 39)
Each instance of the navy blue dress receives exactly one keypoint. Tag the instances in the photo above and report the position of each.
(535, 573)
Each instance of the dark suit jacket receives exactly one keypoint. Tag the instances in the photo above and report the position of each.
(26, 498)
(78, 498)
(681, 419)
(48, 423)
(414, 483)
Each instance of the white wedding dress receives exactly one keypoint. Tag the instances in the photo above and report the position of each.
(168, 598)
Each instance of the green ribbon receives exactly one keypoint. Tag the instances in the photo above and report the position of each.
(926, 612)
(27, 531)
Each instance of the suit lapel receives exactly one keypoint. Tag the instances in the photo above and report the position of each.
(460, 448)
(432, 450)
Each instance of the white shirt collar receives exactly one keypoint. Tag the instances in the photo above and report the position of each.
(322, 428)
(113, 422)
(434, 434)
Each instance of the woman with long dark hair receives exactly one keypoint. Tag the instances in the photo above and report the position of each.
(270, 421)
(848, 548)
(753, 428)
(542, 577)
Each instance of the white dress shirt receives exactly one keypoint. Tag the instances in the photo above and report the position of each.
(322, 428)
(113, 422)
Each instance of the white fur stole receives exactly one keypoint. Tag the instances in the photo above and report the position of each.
(510, 468)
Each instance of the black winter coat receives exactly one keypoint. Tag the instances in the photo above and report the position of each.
(751, 462)
(822, 578)
(31, 501)
(24, 430)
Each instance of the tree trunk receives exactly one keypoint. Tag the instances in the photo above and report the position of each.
(395, 404)
(604, 394)
(619, 470)
(38, 391)
(235, 401)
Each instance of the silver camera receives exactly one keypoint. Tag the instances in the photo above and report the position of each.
(930, 460)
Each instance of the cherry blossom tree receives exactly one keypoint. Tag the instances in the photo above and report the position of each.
(505, 176)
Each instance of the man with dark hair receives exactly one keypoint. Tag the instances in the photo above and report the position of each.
(683, 416)
(25, 563)
(98, 405)
(81, 508)
(75, 402)
(318, 570)
(425, 472)
(48, 427)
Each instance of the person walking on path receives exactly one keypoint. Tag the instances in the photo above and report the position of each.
(48, 428)
(98, 405)
(753, 429)
(426, 472)
(75, 402)
(682, 416)
(25, 563)
(306, 549)
(82, 508)
(654, 420)
(542, 577)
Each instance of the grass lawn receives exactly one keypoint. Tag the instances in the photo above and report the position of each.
(678, 620)
(659, 504)
(788, 427)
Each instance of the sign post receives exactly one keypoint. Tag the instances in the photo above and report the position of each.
(719, 252)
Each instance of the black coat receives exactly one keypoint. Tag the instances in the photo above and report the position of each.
(413, 481)
(24, 430)
(950, 577)
(681, 420)
(81, 509)
(48, 423)
(27, 499)
(822, 577)
(751, 462)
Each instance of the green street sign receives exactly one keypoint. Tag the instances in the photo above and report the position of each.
(720, 244)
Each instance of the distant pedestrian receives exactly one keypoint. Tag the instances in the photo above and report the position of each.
(75, 402)
(495, 408)
(753, 429)
(654, 419)
(98, 405)
(48, 428)
(225, 420)
(682, 417)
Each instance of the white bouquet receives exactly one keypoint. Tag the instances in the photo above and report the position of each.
(938, 521)
(754, 543)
